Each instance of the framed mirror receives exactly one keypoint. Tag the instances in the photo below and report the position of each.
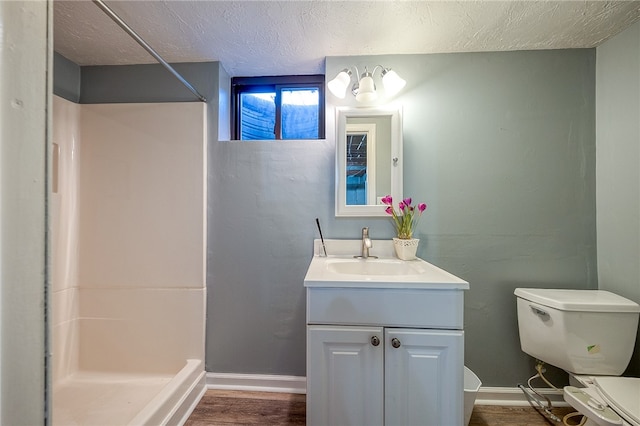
(368, 159)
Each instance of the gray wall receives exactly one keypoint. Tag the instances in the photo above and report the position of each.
(266, 196)
(501, 146)
(618, 176)
(66, 83)
(148, 83)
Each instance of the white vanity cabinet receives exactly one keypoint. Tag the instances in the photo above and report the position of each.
(384, 376)
(385, 344)
(384, 356)
(424, 372)
(345, 375)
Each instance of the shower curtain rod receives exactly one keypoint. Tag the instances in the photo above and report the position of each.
(146, 47)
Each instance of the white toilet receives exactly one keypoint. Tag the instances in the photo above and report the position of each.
(591, 335)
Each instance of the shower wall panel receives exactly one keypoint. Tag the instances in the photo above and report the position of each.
(146, 330)
(64, 237)
(128, 237)
(128, 245)
(142, 192)
(142, 236)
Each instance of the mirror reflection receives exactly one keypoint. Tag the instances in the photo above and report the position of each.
(360, 181)
(368, 159)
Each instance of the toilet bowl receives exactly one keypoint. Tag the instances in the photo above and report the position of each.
(591, 335)
(607, 401)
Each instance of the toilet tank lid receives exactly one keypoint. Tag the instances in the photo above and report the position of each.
(578, 300)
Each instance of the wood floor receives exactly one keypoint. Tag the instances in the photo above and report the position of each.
(267, 408)
(248, 408)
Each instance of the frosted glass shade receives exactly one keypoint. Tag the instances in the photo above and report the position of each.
(392, 82)
(338, 86)
(364, 89)
(367, 89)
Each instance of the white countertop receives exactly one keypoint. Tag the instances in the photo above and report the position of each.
(414, 274)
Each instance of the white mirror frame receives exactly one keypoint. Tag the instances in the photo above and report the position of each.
(342, 114)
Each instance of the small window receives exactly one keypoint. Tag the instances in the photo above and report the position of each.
(282, 107)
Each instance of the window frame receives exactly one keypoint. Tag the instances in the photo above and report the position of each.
(276, 84)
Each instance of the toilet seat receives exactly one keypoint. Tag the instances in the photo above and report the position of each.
(622, 394)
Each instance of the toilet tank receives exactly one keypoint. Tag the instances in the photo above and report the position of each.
(580, 331)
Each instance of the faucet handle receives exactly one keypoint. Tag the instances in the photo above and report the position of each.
(366, 244)
(366, 241)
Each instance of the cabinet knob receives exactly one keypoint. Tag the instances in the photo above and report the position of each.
(395, 342)
(375, 341)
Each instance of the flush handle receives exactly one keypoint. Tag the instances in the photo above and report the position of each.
(375, 340)
(538, 311)
(395, 342)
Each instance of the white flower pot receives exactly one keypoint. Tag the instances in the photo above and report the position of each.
(406, 249)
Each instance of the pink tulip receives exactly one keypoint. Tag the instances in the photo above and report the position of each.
(406, 220)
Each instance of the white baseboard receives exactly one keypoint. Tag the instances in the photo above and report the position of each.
(257, 382)
(297, 384)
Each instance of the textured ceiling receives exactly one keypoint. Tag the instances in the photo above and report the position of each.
(293, 37)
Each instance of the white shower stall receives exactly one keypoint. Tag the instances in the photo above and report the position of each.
(128, 235)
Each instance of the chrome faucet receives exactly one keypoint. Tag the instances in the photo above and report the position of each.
(366, 245)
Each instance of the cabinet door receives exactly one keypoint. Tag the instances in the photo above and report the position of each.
(345, 375)
(424, 377)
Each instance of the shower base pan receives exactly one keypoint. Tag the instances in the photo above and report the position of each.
(99, 398)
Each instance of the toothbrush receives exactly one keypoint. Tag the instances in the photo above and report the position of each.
(321, 238)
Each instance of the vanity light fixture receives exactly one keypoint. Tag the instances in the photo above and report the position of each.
(364, 89)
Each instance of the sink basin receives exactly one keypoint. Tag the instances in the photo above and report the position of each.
(374, 266)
